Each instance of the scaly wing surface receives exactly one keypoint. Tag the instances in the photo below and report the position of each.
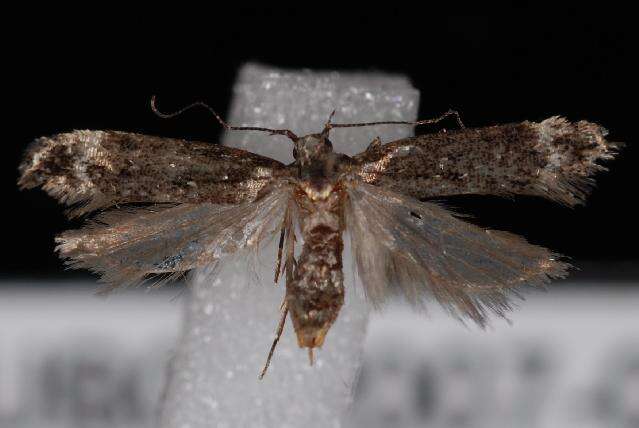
(419, 249)
(124, 246)
(554, 159)
(91, 170)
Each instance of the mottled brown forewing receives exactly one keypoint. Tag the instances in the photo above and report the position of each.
(88, 170)
(553, 159)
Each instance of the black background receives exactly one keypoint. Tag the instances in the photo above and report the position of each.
(97, 70)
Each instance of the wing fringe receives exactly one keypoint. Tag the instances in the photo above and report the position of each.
(420, 251)
(574, 152)
(124, 247)
(58, 165)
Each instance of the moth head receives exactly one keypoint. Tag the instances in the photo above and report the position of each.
(313, 146)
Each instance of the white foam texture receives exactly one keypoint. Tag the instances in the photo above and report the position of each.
(230, 321)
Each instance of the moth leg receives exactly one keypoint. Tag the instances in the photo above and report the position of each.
(278, 334)
(452, 113)
(280, 249)
(377, 142)
(438, 119)
(286, 238)
(291, 264)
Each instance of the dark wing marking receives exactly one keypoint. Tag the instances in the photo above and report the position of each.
(419, 249)
(124, 246)
(97, 169)
(553, 159)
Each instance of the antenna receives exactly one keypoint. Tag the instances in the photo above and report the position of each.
(285, 132)
(330, 125)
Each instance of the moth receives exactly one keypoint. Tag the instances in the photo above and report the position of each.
(167, 206)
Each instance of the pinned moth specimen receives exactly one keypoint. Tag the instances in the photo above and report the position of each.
(168, 206)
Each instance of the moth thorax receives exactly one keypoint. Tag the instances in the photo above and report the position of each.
(318, 190)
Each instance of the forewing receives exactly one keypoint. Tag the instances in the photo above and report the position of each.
(88, 170)
(420, 249)
(553, 159)
(125, 246)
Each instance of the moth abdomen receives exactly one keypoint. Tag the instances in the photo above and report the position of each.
(316, 293)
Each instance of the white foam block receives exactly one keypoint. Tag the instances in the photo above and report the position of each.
(230, 321)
